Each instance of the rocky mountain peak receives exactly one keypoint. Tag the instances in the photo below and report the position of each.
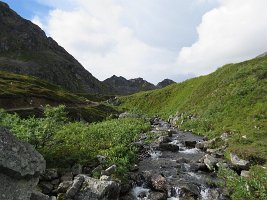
(165, 83)
(25, 49)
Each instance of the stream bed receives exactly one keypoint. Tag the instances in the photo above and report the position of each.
(171, 168)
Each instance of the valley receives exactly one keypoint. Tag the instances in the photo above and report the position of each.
(65, 135)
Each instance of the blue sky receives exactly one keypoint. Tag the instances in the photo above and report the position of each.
(153, 39)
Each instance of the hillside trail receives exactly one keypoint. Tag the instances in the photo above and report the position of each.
(174, 166)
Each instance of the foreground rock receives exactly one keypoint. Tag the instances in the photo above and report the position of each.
(239, 163)
(86, 188)
(20, 166)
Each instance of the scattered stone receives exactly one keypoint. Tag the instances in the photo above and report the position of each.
(75, 187)
(168, 147)
(39, 196)
(94, 189)
(105, 178)
(64, 186)
(76, 169)
(210, 162)
(224, 136)
(245, 173)
(171, 132)
(52, 198)
(109, 171)
(190, 143)
(164, 139)
(187, 194)
(21, 166)
(159, 183)
(157, 196)
(239, 163)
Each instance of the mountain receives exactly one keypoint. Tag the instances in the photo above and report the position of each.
(165, 83)
(233, 99)
(25, 49)
(123, 86)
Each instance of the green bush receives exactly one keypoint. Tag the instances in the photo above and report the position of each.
(252, 188)
(64, 143)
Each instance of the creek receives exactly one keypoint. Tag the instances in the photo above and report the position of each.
(177, 167)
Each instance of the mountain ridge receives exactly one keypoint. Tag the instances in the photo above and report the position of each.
(25, 49)
(125, 86)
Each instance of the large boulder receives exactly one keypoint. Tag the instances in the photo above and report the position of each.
(95, 189)
(20, 167)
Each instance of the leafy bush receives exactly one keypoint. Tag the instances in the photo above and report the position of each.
(64, 143)
(252, 188)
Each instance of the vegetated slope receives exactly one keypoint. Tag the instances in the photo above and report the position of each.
(233, 99)
(29, 95)
(25, 49)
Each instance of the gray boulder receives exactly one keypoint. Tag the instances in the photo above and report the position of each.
(21, 166)
(64, 186)
(210, 162)
(159, 183)
(168, 147)
(94, 189)
(239, 163)
(75, 187)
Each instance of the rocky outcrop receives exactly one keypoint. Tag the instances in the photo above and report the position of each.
(165, 83)
(94, 189)
(123, 86)
(25, 49)
(20, 167)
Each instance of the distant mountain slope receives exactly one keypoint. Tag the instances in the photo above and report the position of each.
(165, 83)
(28, 95)
(25, 49)
(123, 86)
(233, 99)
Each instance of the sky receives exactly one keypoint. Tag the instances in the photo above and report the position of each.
(152, 39)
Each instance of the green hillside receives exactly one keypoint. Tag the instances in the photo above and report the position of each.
(233, 99)
(28, 95)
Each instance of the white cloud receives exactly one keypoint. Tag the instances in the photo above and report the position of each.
(233, 32)
(92, 33)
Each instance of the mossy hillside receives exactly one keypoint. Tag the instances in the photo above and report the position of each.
(14, 85)
(23, 91)
(232, 99)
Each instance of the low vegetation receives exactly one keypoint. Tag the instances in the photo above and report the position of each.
(252, 187)
(233, 99)
(64, 143)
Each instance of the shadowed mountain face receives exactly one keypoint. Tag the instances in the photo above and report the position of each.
(165, 83)
(25, 49)
(123, 86)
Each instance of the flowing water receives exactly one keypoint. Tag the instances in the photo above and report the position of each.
(180, 168)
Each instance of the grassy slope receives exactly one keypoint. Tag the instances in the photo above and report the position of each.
(232, 99)
(14, 87)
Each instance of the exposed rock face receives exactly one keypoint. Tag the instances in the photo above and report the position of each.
(165, 83)
(20, 167)
(94, 189)
(125, 87)
(25, 49)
